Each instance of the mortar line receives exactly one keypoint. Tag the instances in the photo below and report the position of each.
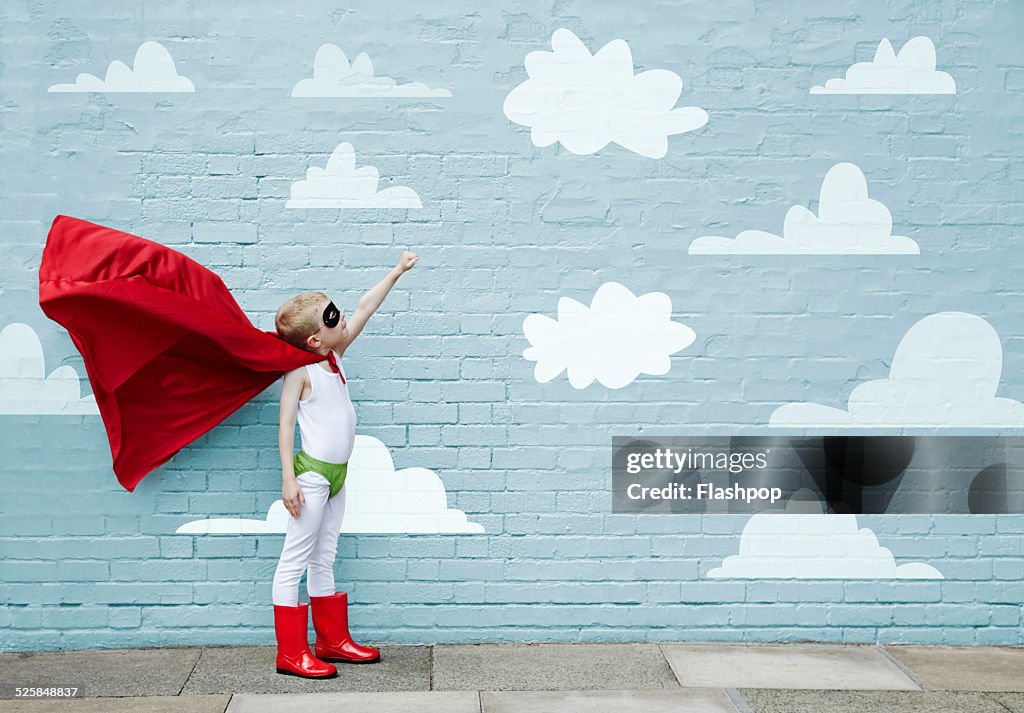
(185, 682)
(738, 700)
(905, 669)
(988, 696)
(661, 650)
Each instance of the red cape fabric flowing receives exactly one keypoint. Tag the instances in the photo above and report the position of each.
(168, 351)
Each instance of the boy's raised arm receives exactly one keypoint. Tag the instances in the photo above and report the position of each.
(369, 302)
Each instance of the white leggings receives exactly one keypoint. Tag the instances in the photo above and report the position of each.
(311, 541)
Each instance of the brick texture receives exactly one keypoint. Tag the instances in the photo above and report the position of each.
(506, 229)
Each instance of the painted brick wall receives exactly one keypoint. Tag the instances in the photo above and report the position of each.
(507, 229)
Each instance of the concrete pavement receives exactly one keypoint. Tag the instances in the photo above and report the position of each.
(502, 678)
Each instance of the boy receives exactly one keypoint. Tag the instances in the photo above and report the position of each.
(313, 479)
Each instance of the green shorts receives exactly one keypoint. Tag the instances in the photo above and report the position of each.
(334, 473)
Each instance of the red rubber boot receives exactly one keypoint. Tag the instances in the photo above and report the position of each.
(333, 642)
(291, 625)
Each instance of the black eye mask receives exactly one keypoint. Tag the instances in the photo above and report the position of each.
(331, 315)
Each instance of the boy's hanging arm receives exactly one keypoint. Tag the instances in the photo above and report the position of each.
(373, 299)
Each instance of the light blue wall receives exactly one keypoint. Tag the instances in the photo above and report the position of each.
(506, 230)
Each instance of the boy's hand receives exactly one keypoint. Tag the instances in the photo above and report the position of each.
(292, 496)
(406, 262)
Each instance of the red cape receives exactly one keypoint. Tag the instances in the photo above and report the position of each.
(168, 351)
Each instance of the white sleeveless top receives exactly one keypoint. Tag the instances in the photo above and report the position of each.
(327, 419)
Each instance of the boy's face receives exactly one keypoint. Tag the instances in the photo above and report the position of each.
(327, 336)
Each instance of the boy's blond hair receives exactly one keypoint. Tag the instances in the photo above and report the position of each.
(298, 318)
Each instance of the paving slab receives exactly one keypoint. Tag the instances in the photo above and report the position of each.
(401, 702)
(546, 667)
(785, 666)
(691, 700)
(978, 668)
(251, 669)
(1014, 702)
(102, 673)
(779, 701)
(135, 704)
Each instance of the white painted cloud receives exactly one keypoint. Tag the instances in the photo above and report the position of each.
(378, 499)
(333, 76)
(25, 389)
(275, 524)
(813, 545)
(153, 71)
(342, 185)
(586, 101)
(617, 338)
(945, 373)
(912, 71)
(848, 223)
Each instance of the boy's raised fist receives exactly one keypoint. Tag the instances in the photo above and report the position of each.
(407, 260)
